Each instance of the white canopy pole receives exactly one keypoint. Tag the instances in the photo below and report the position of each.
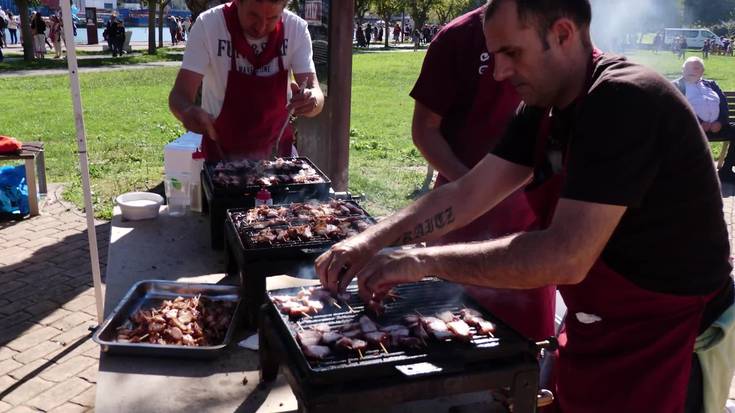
(71, 58)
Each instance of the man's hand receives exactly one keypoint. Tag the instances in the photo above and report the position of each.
(338, 266)
(707, 126)
(387, 270)
(200, 121)
(715, 127)
(303, 102)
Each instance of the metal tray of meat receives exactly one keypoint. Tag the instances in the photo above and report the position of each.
(278, 191)
(249, 250)
(428, 297)
(147, 294)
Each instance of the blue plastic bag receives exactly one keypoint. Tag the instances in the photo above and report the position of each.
(14, 190)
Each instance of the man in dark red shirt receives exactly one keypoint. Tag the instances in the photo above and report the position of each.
(460, 114)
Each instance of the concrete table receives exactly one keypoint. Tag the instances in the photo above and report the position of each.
(177, 248)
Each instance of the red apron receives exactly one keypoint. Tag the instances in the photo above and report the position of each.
(531, 312)
(623, 348)
(254, 107)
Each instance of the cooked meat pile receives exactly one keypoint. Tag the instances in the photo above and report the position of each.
(243, 173)
(322, 341)
(191, 321)
(301, 222)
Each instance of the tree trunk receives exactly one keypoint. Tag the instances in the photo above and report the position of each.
(151, 27)
(161, 8)
(388, 31)
(25, 29)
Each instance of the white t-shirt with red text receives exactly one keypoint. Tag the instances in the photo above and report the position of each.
(208, 52)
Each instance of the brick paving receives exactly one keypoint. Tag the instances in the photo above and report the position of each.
(48, 361)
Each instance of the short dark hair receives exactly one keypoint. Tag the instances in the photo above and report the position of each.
(542, 14)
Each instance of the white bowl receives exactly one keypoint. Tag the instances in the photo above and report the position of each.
(136, 206)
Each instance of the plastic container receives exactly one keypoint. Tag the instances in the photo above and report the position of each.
(178, 194)
(137, 206)
(263, 197)
(197, 163)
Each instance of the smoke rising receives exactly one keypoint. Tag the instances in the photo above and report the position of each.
(618, 24)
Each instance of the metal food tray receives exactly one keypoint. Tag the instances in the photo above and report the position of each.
(146, 294)
(311, 189)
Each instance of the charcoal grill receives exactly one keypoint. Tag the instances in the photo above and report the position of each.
(252, 263)
(343, 382)
(219, 198)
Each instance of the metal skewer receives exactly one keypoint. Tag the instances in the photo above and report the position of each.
(286, 122)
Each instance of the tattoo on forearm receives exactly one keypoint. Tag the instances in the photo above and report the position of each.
(438, 221)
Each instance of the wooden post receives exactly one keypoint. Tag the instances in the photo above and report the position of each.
(326, 138)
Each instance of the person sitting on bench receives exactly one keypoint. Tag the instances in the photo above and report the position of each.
(710, 105)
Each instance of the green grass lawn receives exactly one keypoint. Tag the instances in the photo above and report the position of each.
(88, 59)
(128, 123)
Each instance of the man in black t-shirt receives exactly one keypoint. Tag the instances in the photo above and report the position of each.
(630, 223)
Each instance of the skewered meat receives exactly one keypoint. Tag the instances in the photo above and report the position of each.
(485, 327)
(347, 344)
(460, 329)
(330, 338)
(182, 321)
(316, 352)
(322, 328)
(367, 325)
(474, 319)
(446, 316)
(377, 337)
(436, 328)
(411, 343)
(419, 332)
(309, 337)
(352, 333)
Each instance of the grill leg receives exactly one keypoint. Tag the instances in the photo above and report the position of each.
(524, 391)
(268, 360)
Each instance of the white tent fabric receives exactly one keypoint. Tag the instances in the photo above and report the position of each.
(71, 58)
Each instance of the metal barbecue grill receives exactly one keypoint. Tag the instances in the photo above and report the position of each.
(503, 360)
(220, 198)
(252, 263)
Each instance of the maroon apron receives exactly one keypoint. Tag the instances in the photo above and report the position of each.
(531, 312)
(254, 108)
(623, 348)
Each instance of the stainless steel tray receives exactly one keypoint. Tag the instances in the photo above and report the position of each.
(148, 293)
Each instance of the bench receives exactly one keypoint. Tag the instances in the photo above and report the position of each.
(725, 139)
(32, 154)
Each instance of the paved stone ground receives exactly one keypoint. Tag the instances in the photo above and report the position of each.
(48, 361)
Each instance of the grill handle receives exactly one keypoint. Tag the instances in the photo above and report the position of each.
(550, 344)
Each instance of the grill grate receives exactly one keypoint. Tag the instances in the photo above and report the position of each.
(245, 233)
(426, 298)
(238, 190)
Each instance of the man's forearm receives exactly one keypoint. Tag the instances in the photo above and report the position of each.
(519, 261)
(432, 216)
(178, 103)
(439, 154)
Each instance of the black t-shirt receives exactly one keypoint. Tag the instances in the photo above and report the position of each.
(634, 141)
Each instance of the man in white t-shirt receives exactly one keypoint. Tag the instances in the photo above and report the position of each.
(243, 53)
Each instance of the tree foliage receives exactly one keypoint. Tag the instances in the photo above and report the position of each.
(708, 12)
(386, 9)
(361, 7)
(446, 10)
(419, 10)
